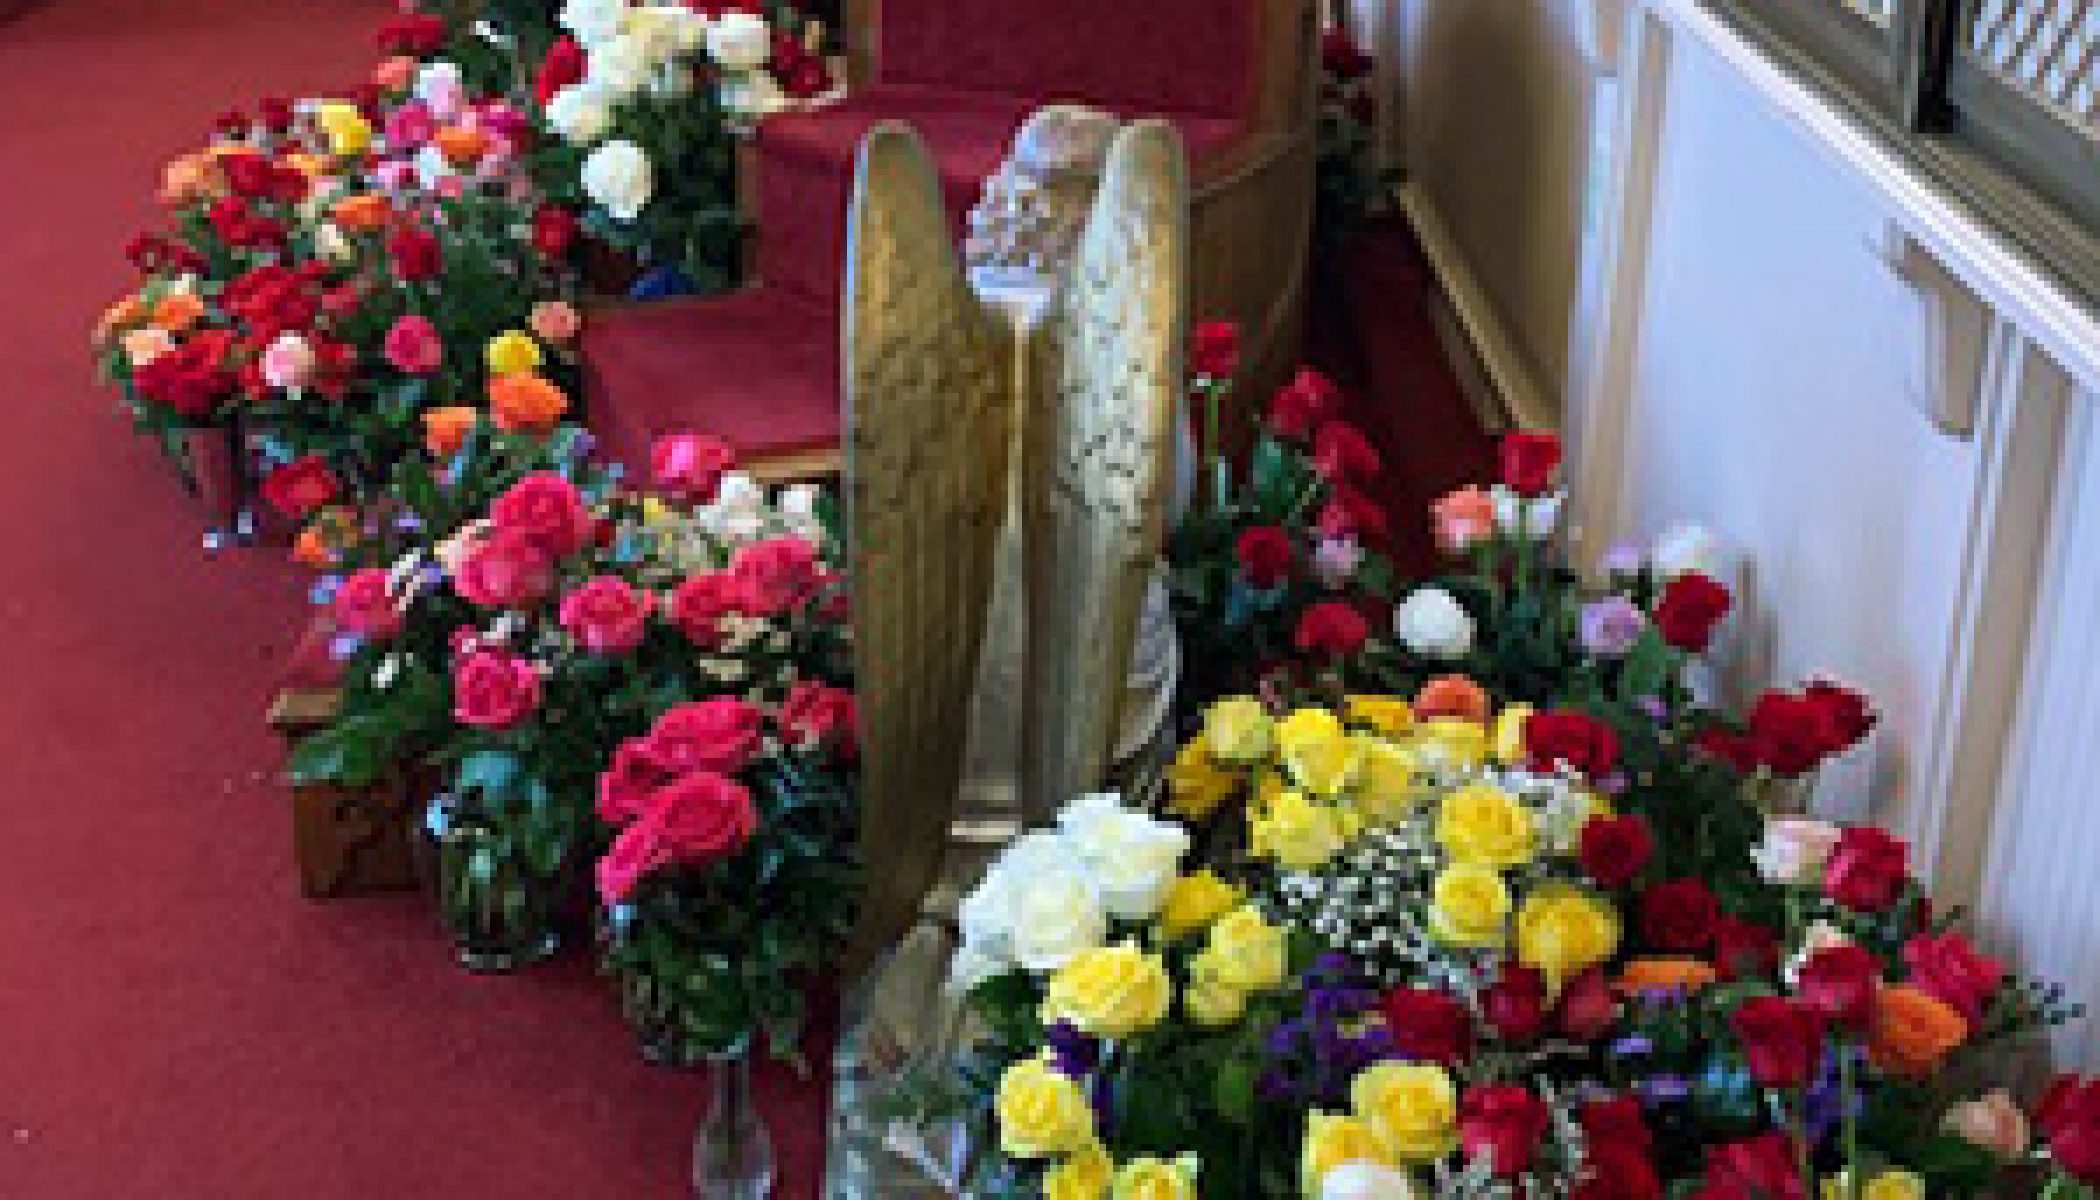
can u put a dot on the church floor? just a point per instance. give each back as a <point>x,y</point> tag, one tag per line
<point>174,1021</point>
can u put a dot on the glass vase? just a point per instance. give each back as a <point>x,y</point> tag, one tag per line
<point>732,1152</point>
<point>500,912</point>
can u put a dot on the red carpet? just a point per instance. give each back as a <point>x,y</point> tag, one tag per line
<point>174,1020</point>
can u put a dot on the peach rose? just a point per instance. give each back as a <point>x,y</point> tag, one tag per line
<point>143,345</point>
<point>555,320</point>
<point>178,311</point>
<point>445,430</point>
<point>1912,1030</point>
<point>190,178</point>
<point>1991,1122</point>
<point>1665,975</point>
<point>364,212</point>
<point>462,146</point>
<point>526,402</point>
<point>394,74</point>
<point>1462,518</point>
<point>1452,696</point>
<point>125,313</point>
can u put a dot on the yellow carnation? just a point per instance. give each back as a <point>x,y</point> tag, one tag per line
<point>1238,731</point>
<point>1389,715</point>
<point>1563,930</point>
<point>1193,902</point>
<point>1042,1112</point>
<point>348,131</point>
<point>1196,784</point>
<point>513,352</point>
<point>1332,1140</point>
<point>1509,733</point>
<point>1486,825</point>
<point>1300,834</point>
<point>1411,1107</point>
<point>1156,1179</point>
<point>1321,755</point>
<point>1469,905</point>
<point>1110,991</point>
<point>1084,1176</point>
<point>1245,952</point>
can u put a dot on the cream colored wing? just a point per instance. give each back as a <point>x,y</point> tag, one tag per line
<point>927,420</point>
<point>1098,451</point>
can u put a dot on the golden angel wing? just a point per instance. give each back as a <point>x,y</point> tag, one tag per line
<point>927,420</point>
<point>1098,451</point>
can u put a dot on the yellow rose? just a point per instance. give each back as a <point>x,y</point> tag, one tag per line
<point>1563,930</point>
<point>1211,1003</point>
<point>1321,755</point>
<point>1110,991</point>
<point>1084,1176</point>
<point>1156,1179</point>
<point>348,131</point>
<point>1239,732</point>
<point>1193,902</point>
<point>1412,1107</point>
<point>1469,906</point>
<point>1299,833</point>
<point>1509,733</point>
<point>1389,715</point>
<point>1391,787</point>
<point>1268,786</point>
<point>1245,952</point>
<point>1042,1112</point>
<point>1451,743</point>
<point>1488,826</point>
<point>1332,1140</point>
<point>1892,1184</point>
<point>1196,784</point>
<point>513,352</point>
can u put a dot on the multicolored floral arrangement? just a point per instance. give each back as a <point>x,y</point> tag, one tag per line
<point>1549,928</point>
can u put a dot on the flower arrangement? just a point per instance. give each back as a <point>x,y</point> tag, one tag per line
<point>1348,184</point>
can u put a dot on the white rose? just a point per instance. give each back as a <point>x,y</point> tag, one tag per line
<point>1432,623</point>
<point>1531,518</point>
<point>1686,547</point>
<point>1133,858</point>
<point>1794,850</point>
<point>1367,1181</point>
<point>739,41</point>
<point>593,21</point>
<point>621,66</point>
<point>1057,913</point>
<point>580,113</point>
<point>617,177</point>
<point>971,966</point>
<point>986,914</point>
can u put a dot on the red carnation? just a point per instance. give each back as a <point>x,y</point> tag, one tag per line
<point>1428,1025</point>
<point>1679,915</point>
<point>1342,453</point>
<point>1690,607</point>
<point>1614,849</point>
<point>563,66</point>
<point>1502,1122</point>
<point>1867,869</point>
<point>554,231</point>
<point>301,486</point>
<point>1214,350</point>
<point>1331,629</point>
<point>1577,740</point>
<point>415,253</point>
<point>1529,461</point>
<point>1304,404</point>
<point>1782,1042</point>
<point>1265,555</point>
<point>1837,983</point>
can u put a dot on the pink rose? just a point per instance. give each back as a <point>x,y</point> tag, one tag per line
<point>624,787</point>
<point>555,320</point>
<point>1947,966</point>
<point>492,689</point>
<point>721,734</point>
<point>690,466</point>
<point>1462,518</point>
<point>287,362</point>
<point>1991,1122</point>
<point>702,818</point>
<point>776,576</point>
<point>394,74</point>
<point>409,126</point>
<point>504,570</point>
<point>701,602</point>
<point>413,346</point>
<point>606,615</point>
<point>634,853</point>
<point>549,511</point>
<point>364,605</point>
<point>816,714</point>
<point>394,175</point>
<point>1795,849</point>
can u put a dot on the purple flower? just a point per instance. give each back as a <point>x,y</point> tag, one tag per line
<point>1661,1089</point>
<point>1624,558</point>
<point>1610,626</point>
<point>1072,1051</point>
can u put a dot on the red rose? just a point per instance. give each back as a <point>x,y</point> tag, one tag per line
<point>1789,733</point>
<point>2069,1118</point>
<point>564,65</point>
<point>275,112</point>
<point>624,788</point>
<point>807,77</point>
<point>1782,1042</point>
<point>1304,404</point>
<point>607,615</point>
<point>1350,515</point>
<point>494,689</point>
<point>415,253</point>
<point>1331,629</point>
<point>816,714</point>
<point>1265,555</point>
<point>1342,453</point>
<point>1678,915</point>
<point>1744,949</point>
<point>506,569</point>
<point>1577,740</point>
<point>1617,1171</point>
<point>1738,750</point>
<point>190,380</point>
<point>1514,1006</point>
<point>1847,715</point>
<point>364,605</point>
<point>301,486</point>
<point>548,511</point>
<point>1614,849</point>
<point>1867,869</point>
<point>690,466</point>
<point>1340,56</point>
<point>1690,607</point>
<point>554,231</point>
<point>1948,967</point>
<point>1214,350</point>
<point>1837,983</point>
<point>419,35</point>
<point>719,734</point>
<point>1760,1168</point>
<point>1428,1025</point>
<point>1587,1008</point>
<point>634,854</point>
<point>702,818</point>
<point>1529,461</point>
<point>700,603</point>
<point>1503,1122</point>
<point>776,576</point>
<point>1615,1121</point>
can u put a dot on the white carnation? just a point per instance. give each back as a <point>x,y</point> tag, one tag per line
<point>1432,623</point>
<point>739,42</point>
<point>621,66</point>
<point>580,113</point>
<point>618,178</point>
<point>593,21</point>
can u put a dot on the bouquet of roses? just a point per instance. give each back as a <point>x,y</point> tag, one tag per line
<point>1273,570</point>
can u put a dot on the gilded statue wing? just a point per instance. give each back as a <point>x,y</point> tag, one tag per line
<point>1098,448</point>
<point>927,419</point>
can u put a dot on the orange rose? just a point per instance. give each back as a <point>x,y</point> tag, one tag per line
<point>461,146</point>
<point>1912,1030</point>
<point>313,166</point>
<point>1665,975</point>
<point>177,311</point>
<point>311,548</point>
<point>1452,696</point>
<point>525,402</point>
<point>446,429</point>
<point>364,212</point>
<point>190,178</point>
<point>119,317</point>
